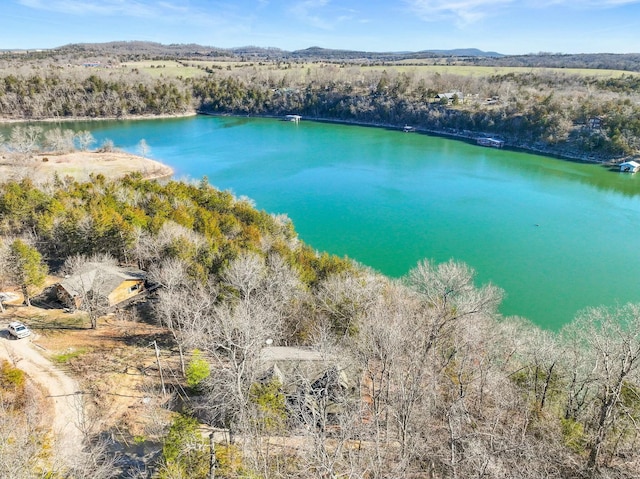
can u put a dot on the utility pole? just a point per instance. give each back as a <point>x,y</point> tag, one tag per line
<point>155,345</point>
<point>212,457</point>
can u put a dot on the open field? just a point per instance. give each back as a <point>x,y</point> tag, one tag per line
<point>165,68</point>
<point>195,68</point>
<point>81,164</point>
<point>484,71</point>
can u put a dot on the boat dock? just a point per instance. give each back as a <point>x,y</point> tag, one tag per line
<point>490,142</point>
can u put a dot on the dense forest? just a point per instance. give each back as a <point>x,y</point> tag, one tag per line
<point>418,377</point>
<point>581,116</point>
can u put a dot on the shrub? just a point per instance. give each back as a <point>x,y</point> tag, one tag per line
<point>11,378</point>
<point>271,405</point>
<point>197,370</point>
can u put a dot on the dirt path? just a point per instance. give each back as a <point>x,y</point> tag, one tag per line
<point>60,388</point>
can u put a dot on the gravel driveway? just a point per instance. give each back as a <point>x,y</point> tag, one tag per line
<point>58,386</point>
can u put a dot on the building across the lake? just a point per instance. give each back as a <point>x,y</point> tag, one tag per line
<point>450,97</point>
<point>294,118</point>
<point>629,166</point>
<point>490,142</point>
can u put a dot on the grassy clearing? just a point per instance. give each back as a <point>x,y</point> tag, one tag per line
<point>194,68</point>
<point>52,321</point>
<point>484,71</point>
<point>164,68</point>
<point>72,353</point>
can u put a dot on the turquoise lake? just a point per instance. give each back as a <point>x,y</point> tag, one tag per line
<point>557,236</point>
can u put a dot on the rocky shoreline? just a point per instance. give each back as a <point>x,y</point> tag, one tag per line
<point>93,118</point>
<point>463,135</point>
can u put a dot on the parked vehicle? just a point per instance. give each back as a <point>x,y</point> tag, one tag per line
<point>18,330</point>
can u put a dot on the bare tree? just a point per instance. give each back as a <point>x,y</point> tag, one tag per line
<point>57,140</point>
<point>612,342</point>
<point>345,299</point>
<point>84,139</point>
<point>182,302</point>
<point>107,146</point>
<point>25,139</point>
<point>143,148</point>
<point>18,451</point>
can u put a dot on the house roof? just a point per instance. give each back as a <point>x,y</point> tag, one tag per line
<point>450,95</point>
<point>295,367</point>
<point>101,277</point>
<point>635,164</point>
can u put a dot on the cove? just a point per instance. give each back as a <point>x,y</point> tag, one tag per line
<point>557,236</point>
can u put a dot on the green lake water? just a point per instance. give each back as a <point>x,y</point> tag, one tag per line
<point>557,236</point>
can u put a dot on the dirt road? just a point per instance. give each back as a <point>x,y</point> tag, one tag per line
<point>63,391</point>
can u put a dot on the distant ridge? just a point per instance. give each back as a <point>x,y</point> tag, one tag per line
<point>133,50</point>
<point>466,52</point>
<point>314,52</point>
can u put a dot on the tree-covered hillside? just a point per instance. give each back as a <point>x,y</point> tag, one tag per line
<point>581,115</point>
<point>316,367</point>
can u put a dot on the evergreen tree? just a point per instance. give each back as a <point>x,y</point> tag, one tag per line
<point>26,268</point>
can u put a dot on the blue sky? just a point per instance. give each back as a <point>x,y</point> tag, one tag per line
<point>506,26</point>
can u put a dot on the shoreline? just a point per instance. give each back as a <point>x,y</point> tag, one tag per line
<point>67,119</point>
<point>82,165</point>
<point>464,135</point>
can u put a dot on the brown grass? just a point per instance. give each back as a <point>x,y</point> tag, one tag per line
<point>81,164</point>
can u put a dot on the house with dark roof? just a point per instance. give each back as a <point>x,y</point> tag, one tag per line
<point>110,285</point>
<point>314,384</point>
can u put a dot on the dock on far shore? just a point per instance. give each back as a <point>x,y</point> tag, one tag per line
<point>490,142</point>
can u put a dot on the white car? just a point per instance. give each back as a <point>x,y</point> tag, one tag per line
<point>18,330</point>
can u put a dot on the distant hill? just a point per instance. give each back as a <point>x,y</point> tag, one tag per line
<point>142,48</point>
<point>466,56</point>
<point>315,52</point>
<point>466,52</point>
<point>334,54</point>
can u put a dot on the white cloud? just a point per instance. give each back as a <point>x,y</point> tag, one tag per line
<point>166,11</point>
<point>465,12</point>
<point>307,12</point>
<point>324,15</point>
<point>92,7</point>
<point>321,14</point>
<point>584,3</point>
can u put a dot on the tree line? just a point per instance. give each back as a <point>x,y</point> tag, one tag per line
<point>52,96</point>
<point>417,377</point>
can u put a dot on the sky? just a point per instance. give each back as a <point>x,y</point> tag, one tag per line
<point>505,26</point>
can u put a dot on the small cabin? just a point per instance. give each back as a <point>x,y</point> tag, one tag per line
<point>294,118</point>
<point>408,129</point>
<point>490,142</point>
<point>450,97</point>
<point>110,284</point>
<point>629,166</point>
